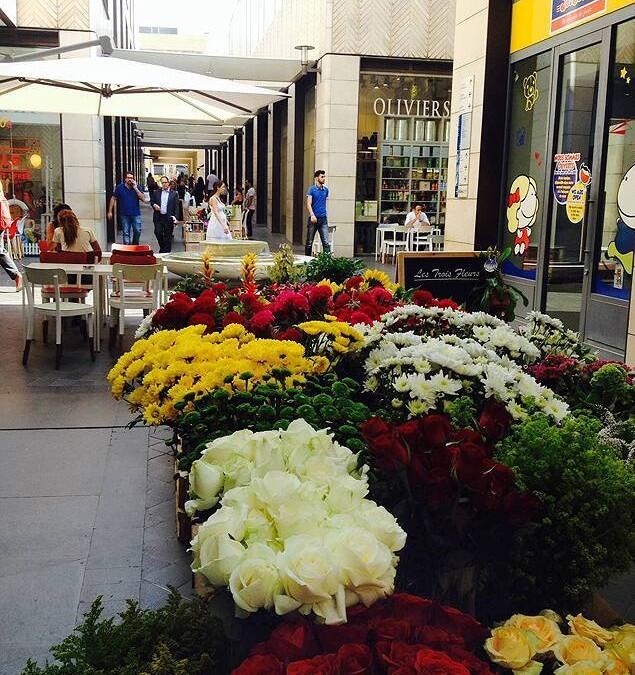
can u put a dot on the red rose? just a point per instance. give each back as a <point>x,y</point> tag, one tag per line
<point>234,317</point>
<point>264,664</point>
<point>422,298</point>
<point>520,508</point>
<point>431,662</point>
<point>496,482</point>
<point>410,432</point>
<point>386,446</point>
<point>292,334</point>
<point>396,654</point>
<point>202,318</point>
<point>456,622</point>
<point>290,641</point>
<point>436,430</point>
<point>331,638</point>
<point>262,320</point>
<point>411,608</point>
<point>438,487</point>
<point>353,659</point>
<point>494,421</point>
<point>434,637</point>
<point>471,436</point>
<point>471,662</point>
<point>318,665</point>
<point>468,464</point>
<point>391,629</point>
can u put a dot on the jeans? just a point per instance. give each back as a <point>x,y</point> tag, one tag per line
<point>163,231</point>
<point>250,215</point>
<point>131,225</point>
<point>322,227</point>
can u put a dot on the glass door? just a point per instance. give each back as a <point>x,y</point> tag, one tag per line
<point>573,162</point>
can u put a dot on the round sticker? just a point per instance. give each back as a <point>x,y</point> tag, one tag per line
<point>576,202</point>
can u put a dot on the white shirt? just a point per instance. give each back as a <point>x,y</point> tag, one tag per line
<point>165,195</point>
<point>211,179</point>
<point>250,199</point>
<point>413,221</point>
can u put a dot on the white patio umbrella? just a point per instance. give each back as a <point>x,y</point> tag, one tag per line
<point>103,85</point>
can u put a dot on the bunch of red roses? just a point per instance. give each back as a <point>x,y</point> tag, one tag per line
<point>401,635</point>
<point>444,466</point>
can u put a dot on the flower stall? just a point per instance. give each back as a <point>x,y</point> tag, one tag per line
<point>383,482</point>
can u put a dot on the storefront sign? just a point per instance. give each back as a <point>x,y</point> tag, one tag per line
<point>447,274</point>
<point>401,107</point>
<point>565,13</point>
<point>576,202</point>
<point>565,175</point>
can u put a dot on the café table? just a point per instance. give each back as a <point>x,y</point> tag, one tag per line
<point>100,272</point>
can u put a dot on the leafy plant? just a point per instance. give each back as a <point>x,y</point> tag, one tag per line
<point>586,533</point>
<point>284,270</point>
<point>326,266</point>
<point>192,285</point>
<point>181,638</point>
<point>322,401</point>
<point>492,294</point>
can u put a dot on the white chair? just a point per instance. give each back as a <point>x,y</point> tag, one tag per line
<point>128,295</point>
<point>420,239</point>
<point>395,239</point>
<point>59,309</point>
<point>379,239</point>
<point>317,242</point>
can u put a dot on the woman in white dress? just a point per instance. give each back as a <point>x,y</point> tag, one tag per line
<point>217,227</point>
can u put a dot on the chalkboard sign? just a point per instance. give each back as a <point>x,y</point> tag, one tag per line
<point>446,274</point>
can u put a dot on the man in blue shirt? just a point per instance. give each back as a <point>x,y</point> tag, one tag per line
<point>316,197</point>
<point>127,195</point>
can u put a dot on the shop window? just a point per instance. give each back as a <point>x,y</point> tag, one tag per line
<point>526,163</point>
<point>616,240</point>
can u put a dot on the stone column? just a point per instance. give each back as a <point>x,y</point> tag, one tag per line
<point>337,94</point>
<point>270,151</point>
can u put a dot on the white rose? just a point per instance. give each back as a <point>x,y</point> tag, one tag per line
<point>226,520</point>
<point>206,482</point>
<point>255,581</point>
<point>222,449</point>
<point>258,527</point>
<point>303,514</point>
<point>346,493</point>
<point>216,556</point>
<point>238,471</point>
<point>275,487</point>
<point>381,523</point>
<point>366,565</point>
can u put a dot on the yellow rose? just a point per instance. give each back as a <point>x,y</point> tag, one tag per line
<point>573,648</point>
<point>614,664</point>
<point>580,668</point>
<point>546,631</point>
<point>509,647</point>
<point>589,629</point>
<point>623,644</point>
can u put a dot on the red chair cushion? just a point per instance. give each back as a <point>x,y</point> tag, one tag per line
<point>132,249</point>
<point>117,257</point>
<point>67,257</point>
<point>77,290</point>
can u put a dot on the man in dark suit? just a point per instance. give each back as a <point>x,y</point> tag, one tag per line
<point>165,204</point>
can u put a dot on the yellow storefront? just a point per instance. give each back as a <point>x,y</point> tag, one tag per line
<point>569,190</point>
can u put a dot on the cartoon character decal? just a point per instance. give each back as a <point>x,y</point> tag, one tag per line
<point>623,248</point>
<point>522,209</point>
<point>530,89</point>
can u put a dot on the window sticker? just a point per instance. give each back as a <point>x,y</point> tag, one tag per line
<point>522,209</point>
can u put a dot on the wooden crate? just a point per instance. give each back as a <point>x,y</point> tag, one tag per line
<point>183,521</point>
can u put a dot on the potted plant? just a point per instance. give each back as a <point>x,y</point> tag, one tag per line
<point>492,294</point>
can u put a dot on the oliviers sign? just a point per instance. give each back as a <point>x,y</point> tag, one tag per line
<point>403,107</point>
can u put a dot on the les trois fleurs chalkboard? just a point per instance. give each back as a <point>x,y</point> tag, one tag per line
<point>445,274</point>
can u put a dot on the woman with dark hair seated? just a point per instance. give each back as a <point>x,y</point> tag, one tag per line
<point>71,236</point>
<point>51,227</point>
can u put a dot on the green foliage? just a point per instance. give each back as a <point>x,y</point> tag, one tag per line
<point>586,533</point>
<point>284,270</point>
<point>326,266</point>
<point>611,387</point>
<point>181,638</point>
<point>192,284</point>
<point>462,412</point>
<point>323,401</point>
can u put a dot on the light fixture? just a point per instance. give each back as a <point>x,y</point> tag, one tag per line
<point>304,58</point>
<point>36,160</point>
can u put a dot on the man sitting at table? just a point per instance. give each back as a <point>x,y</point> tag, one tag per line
<point>71,236</point>
<point>417,218</point>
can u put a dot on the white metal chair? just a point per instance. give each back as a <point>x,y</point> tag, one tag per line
<point>128,295</point>
<point>59,309</point>
<point>420,239</point>
<point>317,242</point>
<point>395,239</point>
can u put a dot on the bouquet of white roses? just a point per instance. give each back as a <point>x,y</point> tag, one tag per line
<point>294,530</point>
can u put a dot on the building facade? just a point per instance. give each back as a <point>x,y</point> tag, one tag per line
<point>48,158</point>
<point>372,109</point>
<point>562,191</point>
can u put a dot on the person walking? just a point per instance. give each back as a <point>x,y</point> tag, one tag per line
<point>217,227</point>
<point>127,196</point>
<point>249,207</point>
<point>211,179</point>
<point>165,204</point>
<point>316,197</point>
<point>6,261</point>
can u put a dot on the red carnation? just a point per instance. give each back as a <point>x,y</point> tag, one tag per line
<point>422,298</point>
<point>445,304</point>
<point>353,659</point>
<point>319,665</point>
<point>206,302</point>
<point>262,320</point>
<point>203,319</point>
<point>219,288</point>
<point>380,295</point>
<point>292,334</point>
<point>353,282</point>
<point>158,318</point>
<point>261,664</point>
<point>179,296</point>
<point>234,317</point>
<point>358,316</point>
<point>342,300</point>
<point>494,421</point>
<point>319,295</point>
<point>431,662</point>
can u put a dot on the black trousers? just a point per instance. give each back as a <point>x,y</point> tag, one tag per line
<point>163,231</point>
<point>6,262</point>
<point>250,215</point>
